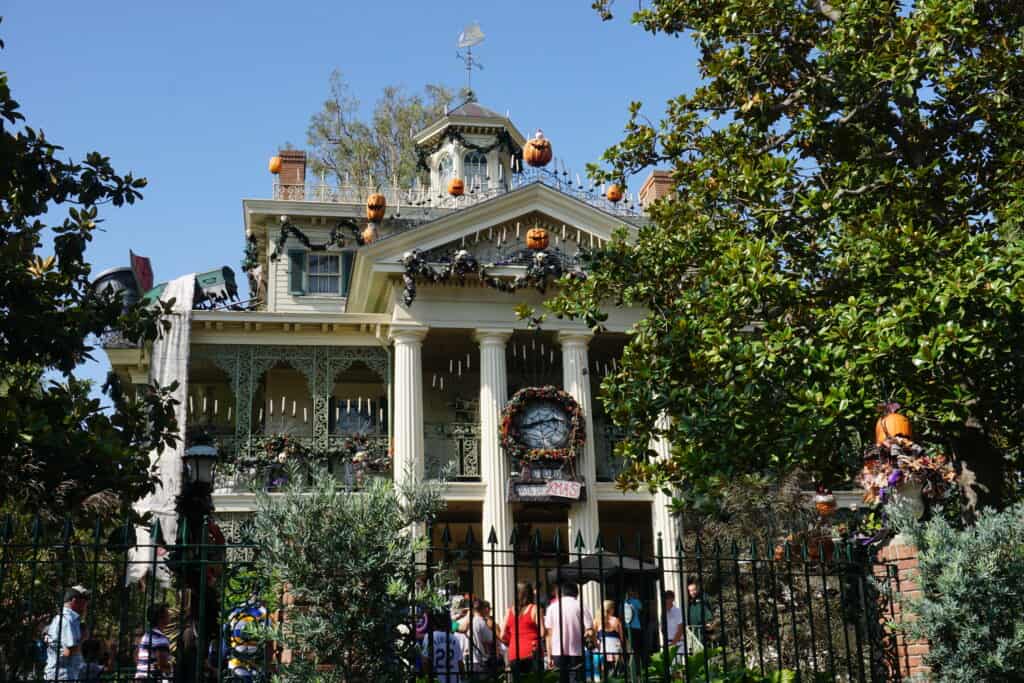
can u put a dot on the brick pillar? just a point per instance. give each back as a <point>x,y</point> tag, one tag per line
<point>292,179</point>
<point>898,562</point>
<point>657,185</point>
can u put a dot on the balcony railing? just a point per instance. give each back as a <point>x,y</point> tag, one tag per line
<point>607,465</point>
<point>454,446</point>
<point>435,198</point>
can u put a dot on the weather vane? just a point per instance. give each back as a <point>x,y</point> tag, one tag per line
<point>470,36</point>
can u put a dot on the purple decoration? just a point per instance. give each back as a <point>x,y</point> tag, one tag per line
<point>895,477</point>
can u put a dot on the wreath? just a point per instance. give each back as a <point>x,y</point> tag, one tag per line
<point>510,436</point>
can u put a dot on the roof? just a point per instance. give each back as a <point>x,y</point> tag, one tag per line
<point>473,109</point>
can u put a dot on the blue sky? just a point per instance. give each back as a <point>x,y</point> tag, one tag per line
<point>196,96</point>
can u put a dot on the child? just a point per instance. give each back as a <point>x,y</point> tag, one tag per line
<point>442,650</point>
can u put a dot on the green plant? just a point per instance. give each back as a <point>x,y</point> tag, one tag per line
<point>347,562</point>
<point>969,608</point>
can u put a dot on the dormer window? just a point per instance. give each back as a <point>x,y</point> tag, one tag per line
<point>319,273</point>
<point>474,165</point>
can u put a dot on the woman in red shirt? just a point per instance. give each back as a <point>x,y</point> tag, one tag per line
<point>523,633</point>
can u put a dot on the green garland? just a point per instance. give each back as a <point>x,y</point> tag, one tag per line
<point>504,140</point>
<point>281,449</point>
<point>289,229</point>
<point>510,439</point>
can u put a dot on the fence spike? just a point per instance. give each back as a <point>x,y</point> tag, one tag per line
<point>579,544</point>
<point>446,535</point>
<point>598,543</point>
<point>621,545</point>
<point>470,537</point>
<point>538,540</point>
<point>513,538</point>
<point>492,538</point>
<point>697,547</point>
<point>558,541</point>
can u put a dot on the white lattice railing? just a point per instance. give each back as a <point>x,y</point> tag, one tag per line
<point>425,197</point>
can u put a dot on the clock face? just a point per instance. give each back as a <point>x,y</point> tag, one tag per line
<point>544,424</point>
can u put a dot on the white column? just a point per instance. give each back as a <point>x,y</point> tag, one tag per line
<point>495,471</point>
<point>408,402</point>
<point>666,524</point>
<point>583,516</point>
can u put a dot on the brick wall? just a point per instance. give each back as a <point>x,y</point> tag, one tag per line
<point>293,167</point>
<point>899,562</point>
<point>657,185</point>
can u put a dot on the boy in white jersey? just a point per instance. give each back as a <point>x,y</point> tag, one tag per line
<point>443,650</point>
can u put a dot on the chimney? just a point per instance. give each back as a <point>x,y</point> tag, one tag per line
<point>657,185</point>
<point>293,171</point>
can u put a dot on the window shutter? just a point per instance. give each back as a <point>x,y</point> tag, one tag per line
<point>297,272</point>
<point>347,258</point>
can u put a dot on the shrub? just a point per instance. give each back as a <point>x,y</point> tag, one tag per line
<point>972,604</point>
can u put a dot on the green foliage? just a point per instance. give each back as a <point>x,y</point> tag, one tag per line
<point>845,230</point>
<point>61,451</point>
<point>347,559</point>
<point>971,582</point>
<point>379,148</point>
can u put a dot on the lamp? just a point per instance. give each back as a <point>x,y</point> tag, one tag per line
<point>199,461</point>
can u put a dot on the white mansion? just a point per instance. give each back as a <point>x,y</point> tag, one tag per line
<point>393,343</point>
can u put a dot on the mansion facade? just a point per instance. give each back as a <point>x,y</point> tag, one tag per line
<point>386,342</point>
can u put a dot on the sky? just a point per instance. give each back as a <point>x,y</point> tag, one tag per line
<point>196,97</point>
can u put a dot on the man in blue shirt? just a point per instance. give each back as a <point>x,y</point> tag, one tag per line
<point>64,637</point>
<point>636,638</point>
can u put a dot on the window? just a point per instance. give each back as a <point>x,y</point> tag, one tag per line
<point>446,168</point>
<point>474,164</point>
<point>319,274</point>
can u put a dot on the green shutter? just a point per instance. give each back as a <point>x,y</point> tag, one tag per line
<point>297,272</point>
<point>347,258</point>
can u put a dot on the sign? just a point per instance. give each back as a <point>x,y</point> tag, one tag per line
<point>564,489</point>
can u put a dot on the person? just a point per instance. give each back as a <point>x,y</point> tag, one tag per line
<point>92,666</point>
<point>153,652</point>
<point>443,650</point>
<point>483,648</point>
<point>698,614</point>
<point>63,637</point>
<point>564,626</point>
<point>673,620</point>
<point>609,638</point>
<point>635,624</point>
<point>522,633</point>
<point>245,656</point>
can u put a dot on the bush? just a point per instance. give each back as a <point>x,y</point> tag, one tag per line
<point>972,602</point>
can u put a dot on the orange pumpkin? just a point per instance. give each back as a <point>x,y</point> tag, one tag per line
<point>825,504</point>
<point>614,193</point>
<point>375,205</point>
<point>890,425</point>
<point>275,165</point>
<point>537,238</point>
<point>369,234</point>
<point>456,187</point>
<point>537,152</point>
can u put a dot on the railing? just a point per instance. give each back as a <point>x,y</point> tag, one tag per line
<point>608,465</point>
<point>452,447</point>
<point>818,611</point>
<point>428,197</point>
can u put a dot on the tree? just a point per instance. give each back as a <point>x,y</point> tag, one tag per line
<point>347,560</point>
<point>845,230</point>
<point>380,148</point>
<point>62,452</point>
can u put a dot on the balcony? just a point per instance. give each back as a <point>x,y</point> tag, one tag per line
<point>431,198</point>
<point>452,447</point>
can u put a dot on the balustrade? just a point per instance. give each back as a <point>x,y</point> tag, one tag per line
<point>454,446</point>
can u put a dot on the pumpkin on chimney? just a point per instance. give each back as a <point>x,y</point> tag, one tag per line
<point>537,238</point>
<point>891,424</point>
<point>614,193</point>
<point>375,205</point>
<point>456,187</point>
<point>537,152</point>
<point>275,164</point>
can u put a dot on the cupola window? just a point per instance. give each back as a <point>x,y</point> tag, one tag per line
<point>474,165</point>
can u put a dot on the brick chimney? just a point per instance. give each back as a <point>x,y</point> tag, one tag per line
<point>657,185</point>
<point>293,169</point>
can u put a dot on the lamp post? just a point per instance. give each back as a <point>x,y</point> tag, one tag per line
<point>202,564</point>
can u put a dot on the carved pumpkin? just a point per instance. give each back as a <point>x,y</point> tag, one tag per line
<point>614,193</point>
<point>892,424</point>
<point>537,152</point>
<point>537,238</point>
<point>375,205</point>
<point>456,187</point>
<point>275,165</point>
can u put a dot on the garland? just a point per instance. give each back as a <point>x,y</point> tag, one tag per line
<point>280,449</point>
<point>510,438</point>
<point>289,229</point>
<point>504,140</point>
<point>544,268</point>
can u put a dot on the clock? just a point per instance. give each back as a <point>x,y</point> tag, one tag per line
<point>544,424</point>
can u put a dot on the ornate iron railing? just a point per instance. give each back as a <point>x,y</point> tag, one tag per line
<point>454,446</point>
<point>607,464</point>
<point>432,197</point>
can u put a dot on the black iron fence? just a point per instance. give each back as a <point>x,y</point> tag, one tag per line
<point>813,611</point>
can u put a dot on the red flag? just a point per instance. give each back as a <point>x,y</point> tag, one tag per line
<point>143,271</point>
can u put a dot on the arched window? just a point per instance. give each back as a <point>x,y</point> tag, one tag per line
<point>445,169</point>
<point>474,165</point>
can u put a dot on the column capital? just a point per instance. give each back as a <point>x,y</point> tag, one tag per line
<point>408,335</point>
<point>491,335</point>
<point>575,337</point>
